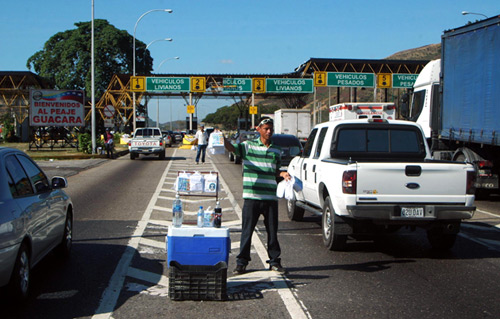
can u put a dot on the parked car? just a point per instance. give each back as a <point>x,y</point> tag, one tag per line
<point>36,217</point>
<point>168,138</point>
<point>290,147</point>
<point>178,136</point>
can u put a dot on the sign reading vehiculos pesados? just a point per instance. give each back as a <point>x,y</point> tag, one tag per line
<point>57,108</point>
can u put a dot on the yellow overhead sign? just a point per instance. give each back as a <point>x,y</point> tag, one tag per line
<point>138,83</point>
<point>384,80</point>
<point>259,85</point>
<point>319,78</point>
<point>252,110</point>
<point>198,84</point>
<point>190,109</point>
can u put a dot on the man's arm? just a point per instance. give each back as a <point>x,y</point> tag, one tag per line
<point>228,145</point>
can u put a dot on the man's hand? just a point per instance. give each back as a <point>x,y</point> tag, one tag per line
<point>285,175</point>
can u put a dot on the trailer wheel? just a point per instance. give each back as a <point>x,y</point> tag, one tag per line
<point>294,212</point>
<point>331,240</point>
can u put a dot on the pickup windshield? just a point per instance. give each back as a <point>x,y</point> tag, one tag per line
<point>147,132</point>
<point>378,142</point>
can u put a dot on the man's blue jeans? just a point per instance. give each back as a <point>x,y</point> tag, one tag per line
<point>201,149</point>
<point>252,209</point>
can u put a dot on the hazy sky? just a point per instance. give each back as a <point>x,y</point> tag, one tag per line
<point>240,37</point>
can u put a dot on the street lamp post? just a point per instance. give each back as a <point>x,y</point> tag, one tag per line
<point>166,39</point>
<point>174,58</point>
<point>133,57</point>
<point>479,14</point>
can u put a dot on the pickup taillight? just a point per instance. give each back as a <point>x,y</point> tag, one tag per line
<point>471,180</point>
<point>129,143</point>
<point>349,182</point>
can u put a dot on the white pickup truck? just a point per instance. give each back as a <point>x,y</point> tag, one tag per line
<point>374,175</point>
<point>147,141</point>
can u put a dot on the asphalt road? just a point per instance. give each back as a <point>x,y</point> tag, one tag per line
<point>118,265</point>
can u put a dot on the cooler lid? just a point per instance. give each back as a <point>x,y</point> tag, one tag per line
<point>193,231</point>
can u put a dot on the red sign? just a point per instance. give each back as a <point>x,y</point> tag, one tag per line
<point>57,108</point>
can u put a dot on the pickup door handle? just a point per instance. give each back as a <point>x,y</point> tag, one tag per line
<point>413,170</point>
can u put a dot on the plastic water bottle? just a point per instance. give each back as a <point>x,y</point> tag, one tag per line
<point>177,213</point>
<point>218,215</point>
<point>200,217</point>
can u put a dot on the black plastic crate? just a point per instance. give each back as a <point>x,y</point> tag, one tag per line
<point>194,282</point>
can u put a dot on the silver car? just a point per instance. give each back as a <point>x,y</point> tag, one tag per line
<point>36,216</point>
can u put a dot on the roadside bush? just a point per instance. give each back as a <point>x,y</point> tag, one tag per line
<point>85,143</point>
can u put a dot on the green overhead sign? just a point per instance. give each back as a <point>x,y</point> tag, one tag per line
<point>350,79</point>
<point>238,85</point>
<point>403,81</point>
<point>289,85</point>
<point>167,84</point>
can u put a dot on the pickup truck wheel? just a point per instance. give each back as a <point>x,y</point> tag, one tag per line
<point>439,240</point>
<point>331,240</point>
<point>294,212</point>
<point>132,156</point>
<point>161,155</point>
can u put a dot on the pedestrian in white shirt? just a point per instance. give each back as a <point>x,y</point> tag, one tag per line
<point>201,138</point>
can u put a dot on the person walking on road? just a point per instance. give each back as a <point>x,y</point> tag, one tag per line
<point>201,138</point>
<point>261,161</point>
<point>109,143</point>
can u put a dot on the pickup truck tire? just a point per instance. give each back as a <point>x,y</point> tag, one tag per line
<point>439,240</point>
<point>133,156</point>
<point>161,155</point>
<point>331,240</point>
<point>294,213</point>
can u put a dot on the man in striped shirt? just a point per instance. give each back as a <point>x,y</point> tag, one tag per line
<point>261,161</point>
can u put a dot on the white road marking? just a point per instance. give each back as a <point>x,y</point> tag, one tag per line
<point>111,293</point>
<point>148,276</point>
<point>153,243</point>
<point>296,309</point>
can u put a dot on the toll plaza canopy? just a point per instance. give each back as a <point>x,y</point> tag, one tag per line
<point>14,86</point>
<point>360,66</point>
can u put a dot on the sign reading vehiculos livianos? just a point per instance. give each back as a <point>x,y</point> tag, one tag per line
<point>57,108</point>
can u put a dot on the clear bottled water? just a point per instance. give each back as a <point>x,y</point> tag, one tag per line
<point>200,217</point>
<point>177,212</point>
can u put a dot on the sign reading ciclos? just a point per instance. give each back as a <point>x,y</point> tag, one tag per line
<point>57,108</point>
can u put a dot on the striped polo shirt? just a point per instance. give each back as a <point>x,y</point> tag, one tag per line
<point>260,164</point>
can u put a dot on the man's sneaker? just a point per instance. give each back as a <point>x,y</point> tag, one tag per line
<point>278,268</point>
<point>240,269</point>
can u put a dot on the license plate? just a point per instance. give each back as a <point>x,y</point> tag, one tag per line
<point>412,212</point>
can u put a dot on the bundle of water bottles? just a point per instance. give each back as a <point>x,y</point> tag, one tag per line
<point>208,218</point>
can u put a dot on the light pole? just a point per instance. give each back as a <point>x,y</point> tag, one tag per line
<point>479,14</point>
<point>133,57</point>
<point>92,75</point>
<point>166,39</point>
<point>174,58</point>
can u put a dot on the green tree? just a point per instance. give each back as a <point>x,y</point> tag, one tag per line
<point>66,57</point>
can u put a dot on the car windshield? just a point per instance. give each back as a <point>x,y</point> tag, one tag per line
<point>290,143</point>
